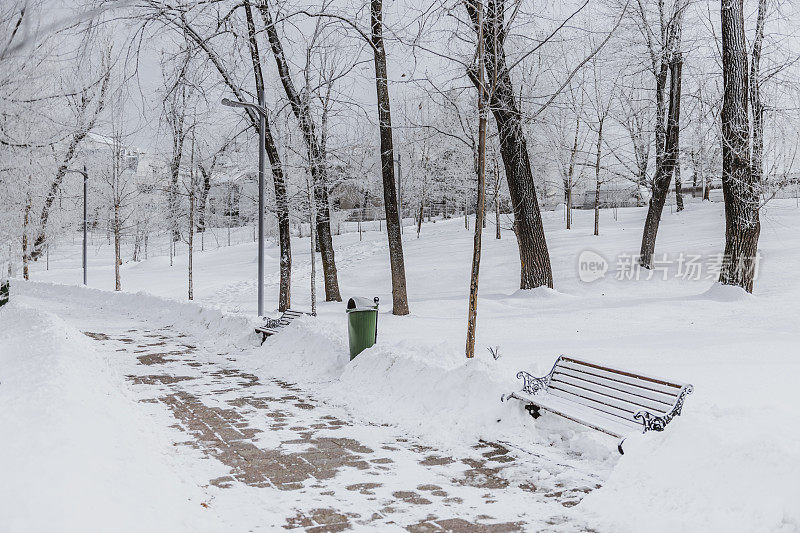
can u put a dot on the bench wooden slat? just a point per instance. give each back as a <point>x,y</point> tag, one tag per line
<point>642,377</point>
<point>672,389</point>
<point>651,395</point>
<point>611,392</point>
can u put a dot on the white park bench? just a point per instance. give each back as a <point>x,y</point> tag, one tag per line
<point>274,325</point>
<point>616,402</point>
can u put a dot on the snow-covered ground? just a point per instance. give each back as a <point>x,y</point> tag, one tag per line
<point>729,463</point>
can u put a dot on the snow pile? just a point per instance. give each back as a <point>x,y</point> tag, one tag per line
<point>735,472</point>
<point>206,323</point>
<point>76,454</point>
<point>307,351</point>
<point>433,392</point>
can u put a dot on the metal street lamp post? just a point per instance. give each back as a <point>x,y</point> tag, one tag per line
<point>85,213</point>
<point>262,114</point>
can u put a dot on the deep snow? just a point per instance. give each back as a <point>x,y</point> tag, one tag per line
<point>727,464</point>
<point>76,454</point>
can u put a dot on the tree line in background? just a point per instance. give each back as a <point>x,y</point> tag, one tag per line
<point>412,109</point>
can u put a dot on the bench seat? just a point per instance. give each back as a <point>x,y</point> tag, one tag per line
<point>613,401</point>
<point>614,426</point>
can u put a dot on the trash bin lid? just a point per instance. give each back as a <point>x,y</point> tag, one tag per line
<point>360,303</point>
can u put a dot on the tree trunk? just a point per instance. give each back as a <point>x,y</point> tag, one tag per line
<point>497,234</point>
<point>191,218</point>
<point>535,269</point>
<point>393,229</point>
<point>678,184</point>
<point>191,236</point>
<point>25,253</point>
<point>472,311</point>
<point>739,185</point>
<point>597,179</point>
<point>669,61</point>
<point>664,169</point>
<point>117,248</point>
<point>571,171</point>
<point>757,106</point>
<point>316,157</point>
<point>311,218</point>
<point>202,202</point>
<point>466,218</point>
<point>175,169</point>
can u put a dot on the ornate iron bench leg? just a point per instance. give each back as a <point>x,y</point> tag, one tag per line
<point>533,410</point>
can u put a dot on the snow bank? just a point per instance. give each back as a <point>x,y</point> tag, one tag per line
<point>736,472</point>
<point>210,325</point>
<point>69,460</point>
<point>430,392</point>
<point>726,293</point>
<point>308,351</point>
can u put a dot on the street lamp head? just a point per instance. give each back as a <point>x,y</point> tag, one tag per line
<point>75,171</point>
<point>247,105</point>
<point>235,103</point>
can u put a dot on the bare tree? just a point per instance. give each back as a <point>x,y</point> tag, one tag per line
<point>316,157</point>
<point>175,103</point>
<point>757,107</point>
<point>207,39</point>
<point>89,104</point>
<point>393,225</point>
<point>535,267</point>
<point>207,167</point>
<point>374,38</point>
<point>666,63</point>
<point>480,68</point>
<point>739,184</point>
<point>601,99</point>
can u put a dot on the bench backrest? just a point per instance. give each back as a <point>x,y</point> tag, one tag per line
<point>289,315</point>
<point>619,393</point>
<point>271,325</point>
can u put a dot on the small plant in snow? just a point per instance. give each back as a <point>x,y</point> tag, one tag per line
<point>495,352</point>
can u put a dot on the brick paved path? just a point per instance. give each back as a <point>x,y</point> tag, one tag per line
<point>282,460</point>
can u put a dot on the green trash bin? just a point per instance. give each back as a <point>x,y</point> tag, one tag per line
<point>362,324</point>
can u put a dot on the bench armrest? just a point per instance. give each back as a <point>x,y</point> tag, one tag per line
<point>651,422</point>
<point>532,384</point>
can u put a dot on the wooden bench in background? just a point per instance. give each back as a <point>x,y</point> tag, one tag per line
<point>616,402</point>
<point>274,325</point>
